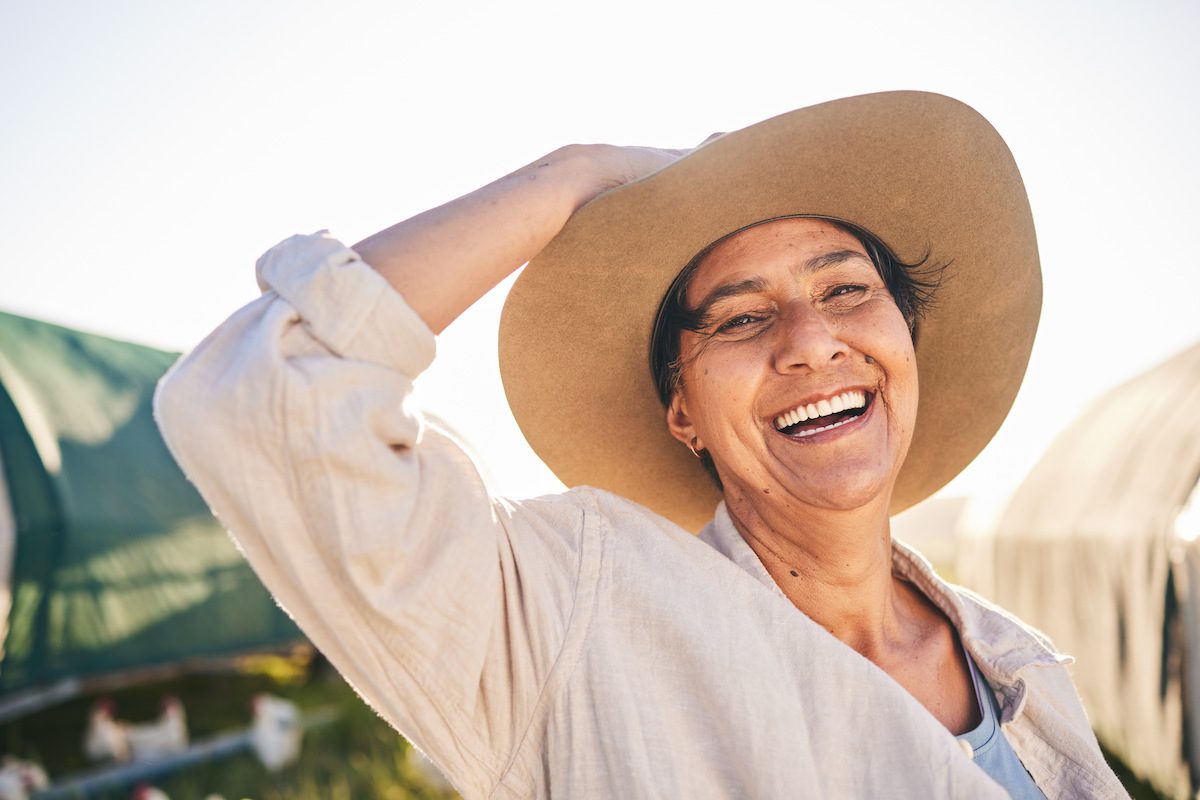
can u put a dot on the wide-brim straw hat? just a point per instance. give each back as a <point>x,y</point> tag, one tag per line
<point>924,173</point>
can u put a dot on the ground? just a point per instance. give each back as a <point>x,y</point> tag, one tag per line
<point>358,757</point>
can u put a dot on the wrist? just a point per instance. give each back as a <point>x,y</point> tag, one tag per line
<point>585,171</point>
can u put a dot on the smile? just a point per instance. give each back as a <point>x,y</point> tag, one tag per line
<point>813,418</point>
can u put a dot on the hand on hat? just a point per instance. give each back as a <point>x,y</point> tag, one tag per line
<point>627,164</point>
<point>621,165</point>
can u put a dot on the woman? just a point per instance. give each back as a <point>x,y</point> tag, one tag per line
<point>587,645</point>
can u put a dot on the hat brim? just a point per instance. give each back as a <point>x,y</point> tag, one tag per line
<point>924,173</point>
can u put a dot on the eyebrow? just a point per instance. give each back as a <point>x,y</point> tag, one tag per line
<point>754,285</point>
<point>826,260</point>
<point>725,291</point>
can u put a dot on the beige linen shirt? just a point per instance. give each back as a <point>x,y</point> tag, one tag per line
<point>574,646</point>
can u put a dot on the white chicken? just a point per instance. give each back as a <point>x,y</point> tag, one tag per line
<point>109,738</point>
<point>276,733</point>
<point>19,779</point>
<point>164,736</point>
<point>12,787</point>
<point>105,737</point>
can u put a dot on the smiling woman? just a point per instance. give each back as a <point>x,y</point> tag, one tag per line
<point>589,644</point>
<point>795,314</point>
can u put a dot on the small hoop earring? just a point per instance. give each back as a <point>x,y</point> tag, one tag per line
<point>692,446</point>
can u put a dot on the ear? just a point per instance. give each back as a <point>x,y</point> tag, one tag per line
<point>680,424</point>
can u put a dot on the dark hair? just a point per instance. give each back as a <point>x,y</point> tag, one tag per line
<point>912,287</point>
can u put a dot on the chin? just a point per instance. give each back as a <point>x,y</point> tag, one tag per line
<point>851,500</point>
<point>847,491</point>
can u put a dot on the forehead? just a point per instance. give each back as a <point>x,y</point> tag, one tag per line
<point>756,251</point>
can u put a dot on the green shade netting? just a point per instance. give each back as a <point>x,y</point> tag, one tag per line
<point>118,563</point>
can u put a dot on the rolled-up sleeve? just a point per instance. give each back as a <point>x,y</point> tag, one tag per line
<point>444,607</point>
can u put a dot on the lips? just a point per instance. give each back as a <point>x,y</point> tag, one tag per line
<point>823,415</point>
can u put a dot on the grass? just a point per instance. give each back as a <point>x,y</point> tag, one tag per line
<point>356,757</point>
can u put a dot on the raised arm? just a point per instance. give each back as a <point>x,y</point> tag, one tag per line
<point>445,607</point>
<point>445,259</point>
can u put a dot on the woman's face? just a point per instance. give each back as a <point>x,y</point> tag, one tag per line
<point>802,384</point>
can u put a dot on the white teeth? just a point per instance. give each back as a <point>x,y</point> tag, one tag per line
<point>822,408</point>
<point>830,426</point>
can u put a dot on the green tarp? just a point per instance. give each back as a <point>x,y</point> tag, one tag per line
<point>118,564</point>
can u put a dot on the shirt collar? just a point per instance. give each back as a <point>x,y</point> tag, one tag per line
<point>1001,645</point>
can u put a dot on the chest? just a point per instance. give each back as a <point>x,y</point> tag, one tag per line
<point>710,685</point>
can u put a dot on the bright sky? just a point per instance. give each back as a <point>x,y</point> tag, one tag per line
<point>150,151</point>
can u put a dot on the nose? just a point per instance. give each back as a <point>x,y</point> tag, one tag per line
<point>807,339</point>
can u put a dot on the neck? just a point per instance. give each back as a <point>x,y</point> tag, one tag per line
<point>836,567</point>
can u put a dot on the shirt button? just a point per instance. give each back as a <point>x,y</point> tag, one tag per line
<point>966,746</point>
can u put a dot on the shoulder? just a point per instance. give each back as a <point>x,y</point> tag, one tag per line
<point>601,526</point>
<point>992,623</point>
<point>587,507</point>
<point>996,637</point>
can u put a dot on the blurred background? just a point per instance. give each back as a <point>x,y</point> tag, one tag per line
<point>150,152</point>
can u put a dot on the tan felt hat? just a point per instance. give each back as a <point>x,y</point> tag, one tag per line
<point>926,174</point>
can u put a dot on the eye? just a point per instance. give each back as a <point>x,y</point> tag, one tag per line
<point>735,323</point>
<point>846,295</point>
<point>846,289</point>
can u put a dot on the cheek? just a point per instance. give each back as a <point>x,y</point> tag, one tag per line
<point>886,341</point>
<point>899,361</point>
<point>719,388</point>
<point>889,341</point>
